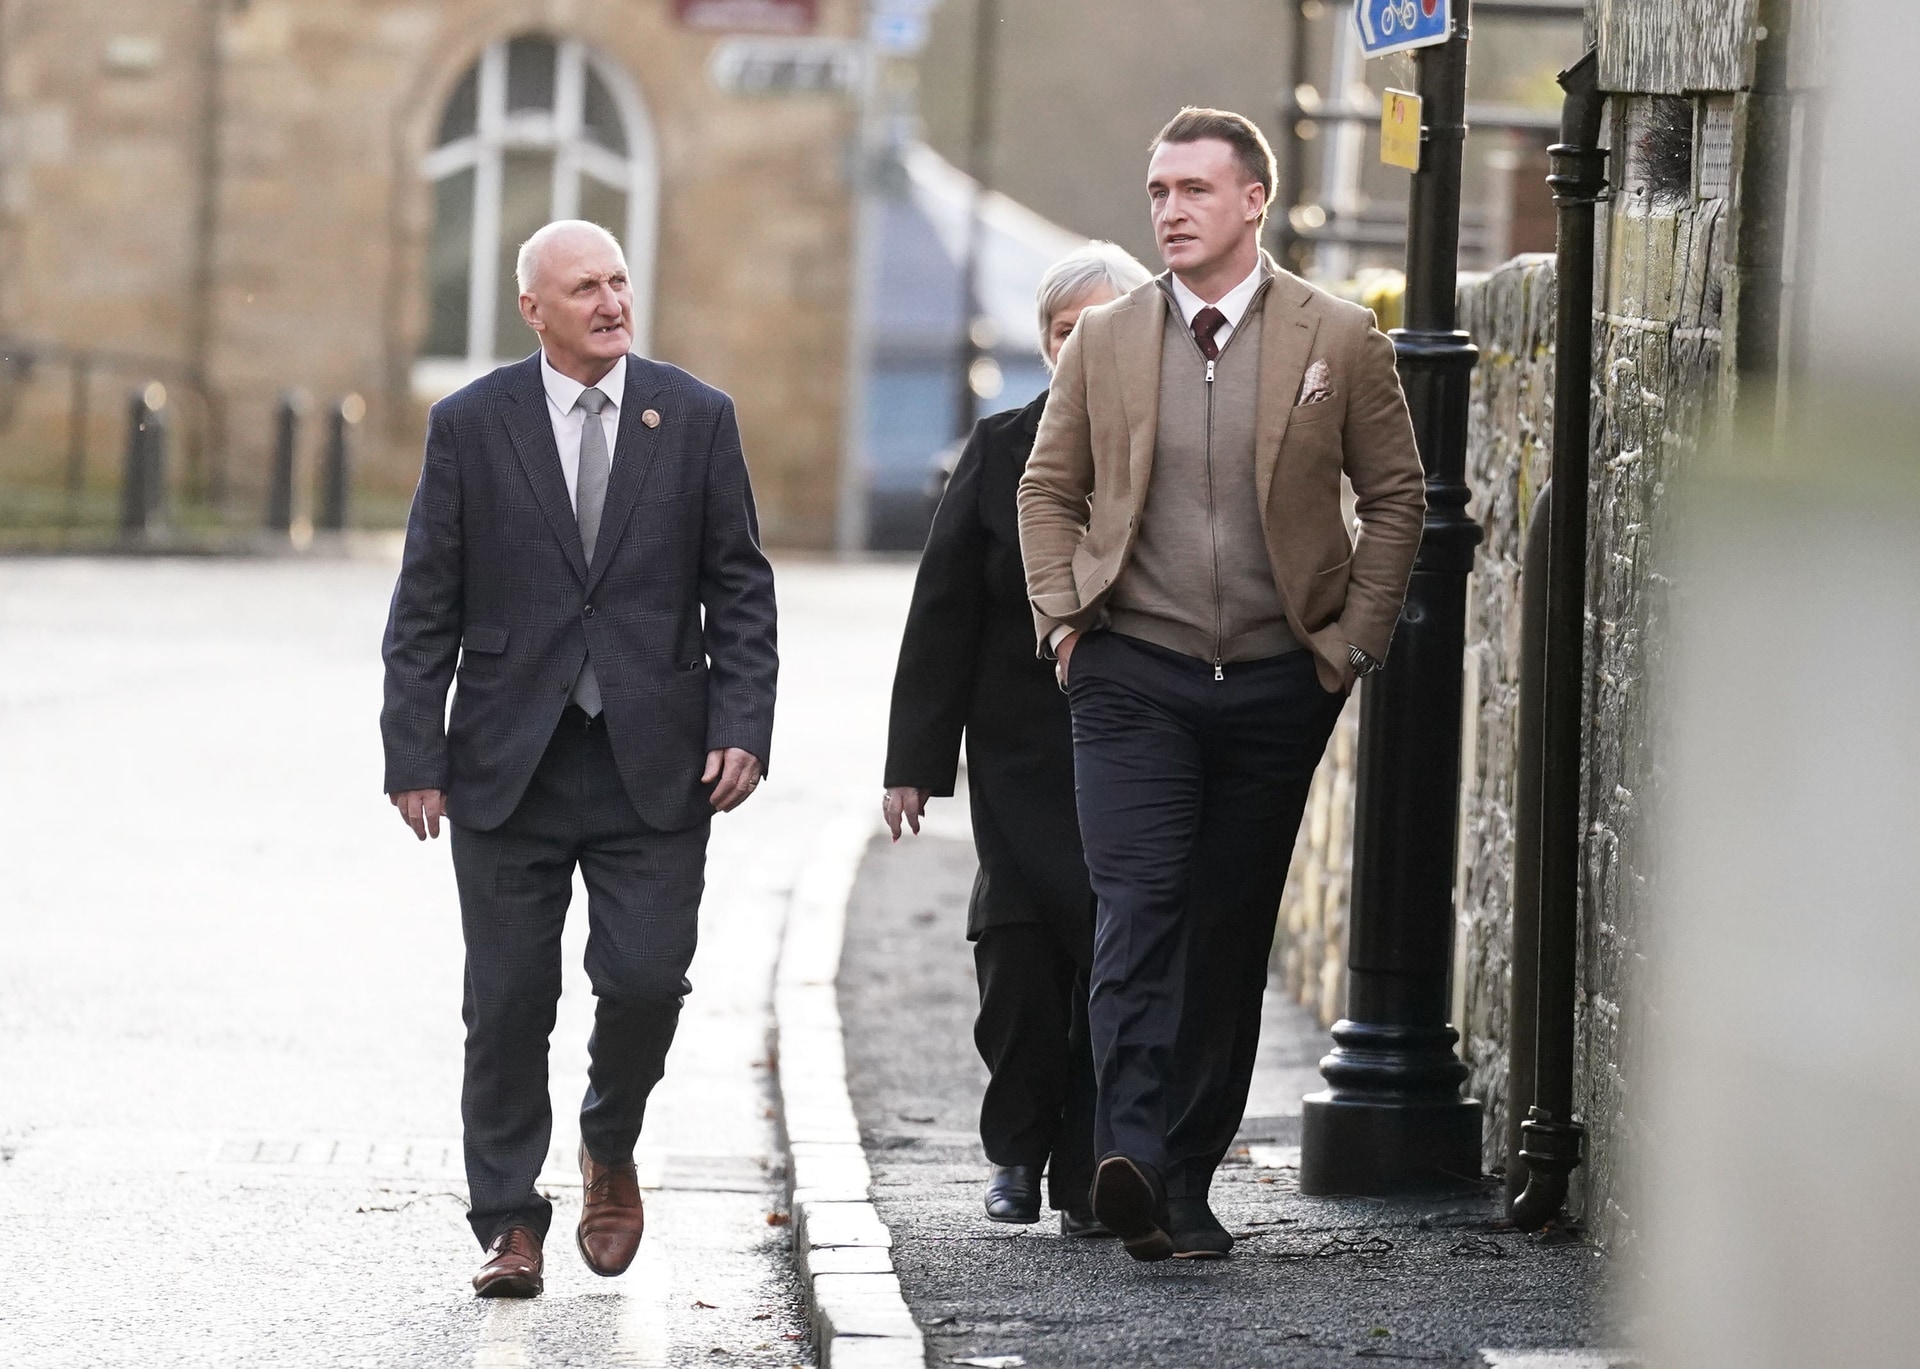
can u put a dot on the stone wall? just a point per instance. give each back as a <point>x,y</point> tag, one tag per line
<point>1310,952</point>
<point>320,212</point>
<point>1510,314</point>
<point>1661,379</point>
<point>1665,273</point>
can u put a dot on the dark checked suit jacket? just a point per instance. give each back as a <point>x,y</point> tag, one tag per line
<point>677,608</point>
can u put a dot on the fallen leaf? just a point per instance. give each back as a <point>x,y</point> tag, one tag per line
<point>778,1219</point>
<point>707,1305</point>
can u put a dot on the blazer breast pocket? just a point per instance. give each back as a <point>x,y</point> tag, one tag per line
<point>1318,412</point>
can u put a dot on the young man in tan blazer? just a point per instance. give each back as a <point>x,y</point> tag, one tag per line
<point>1190,566</point>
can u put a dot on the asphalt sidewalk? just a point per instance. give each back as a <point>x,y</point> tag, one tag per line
<point>1312,1282</point>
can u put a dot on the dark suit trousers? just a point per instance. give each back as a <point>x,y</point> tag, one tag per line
<point>643,907</point>
<point>1190,793</point>
<point>1032,1034</point>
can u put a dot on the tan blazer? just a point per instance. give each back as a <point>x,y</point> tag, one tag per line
<point>1086,482</point>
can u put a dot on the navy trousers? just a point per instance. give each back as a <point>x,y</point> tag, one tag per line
<point>643,910</point>
<point>1190,792</point>
<point>1032,1034</point>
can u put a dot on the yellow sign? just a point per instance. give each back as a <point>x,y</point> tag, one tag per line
<point>1400,129</point>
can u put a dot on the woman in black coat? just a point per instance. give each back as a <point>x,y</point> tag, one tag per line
<point>968,664</point>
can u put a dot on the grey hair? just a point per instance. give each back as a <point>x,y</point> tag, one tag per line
<point>527,264</point>
<point>1082,271</point>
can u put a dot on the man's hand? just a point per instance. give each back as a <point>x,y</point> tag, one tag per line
<point>903,802</point>
<point>421,809</point>
<point>1061,655</point>
<point>738,773</point>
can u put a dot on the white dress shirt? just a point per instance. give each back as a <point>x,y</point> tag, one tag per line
<point>562,394</point>
<point>1233,304</point>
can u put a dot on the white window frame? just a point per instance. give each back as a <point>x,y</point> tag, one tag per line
<point>561,131</point>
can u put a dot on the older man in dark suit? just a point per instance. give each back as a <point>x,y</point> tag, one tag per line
<point>583,544</point>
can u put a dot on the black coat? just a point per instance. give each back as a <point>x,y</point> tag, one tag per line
<point>967,664</point>
<point>677,608</point>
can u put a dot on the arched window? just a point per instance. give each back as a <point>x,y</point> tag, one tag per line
<point>538,129</point>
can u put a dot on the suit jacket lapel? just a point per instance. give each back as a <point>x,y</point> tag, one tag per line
<point>1286,345</point>
<point>531,432</point>
<point>632,448</point>
<point>1137,330</point>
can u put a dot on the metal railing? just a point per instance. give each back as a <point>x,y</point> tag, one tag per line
<point>99,446</point>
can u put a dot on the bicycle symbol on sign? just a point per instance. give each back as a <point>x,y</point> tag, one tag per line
<point>1402,15</point>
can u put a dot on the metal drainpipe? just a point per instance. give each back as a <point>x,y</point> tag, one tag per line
<point>1551,1138</point>
<point>1524,954</point>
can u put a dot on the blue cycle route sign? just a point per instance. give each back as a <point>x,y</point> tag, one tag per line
<point>1395,25</point>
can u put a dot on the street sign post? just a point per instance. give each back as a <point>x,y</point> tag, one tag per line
<point>1392,1116</point>
<point>1396,25</point>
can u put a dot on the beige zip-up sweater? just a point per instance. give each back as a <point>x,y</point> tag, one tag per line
<point>1200,581</point>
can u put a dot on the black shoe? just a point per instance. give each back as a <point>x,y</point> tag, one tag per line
<point>1079,1223</point>
<point>1013,1194</point>
<point>1129,1201</point>
<point>1195,1232</point>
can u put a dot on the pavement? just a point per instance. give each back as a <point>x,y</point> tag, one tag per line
<point>229,995</point>
<point>1313,1282</point>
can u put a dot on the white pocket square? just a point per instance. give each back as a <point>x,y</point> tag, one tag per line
<point>1316,384</point>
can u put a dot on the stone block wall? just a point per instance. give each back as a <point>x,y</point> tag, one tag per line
<point>1662,378</point>
<point>278,236</point>
<point>1510,314</point>
<point>1691,265</point>
<point>1310,951</point>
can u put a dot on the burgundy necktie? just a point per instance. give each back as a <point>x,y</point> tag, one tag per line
<point>1205,324</point>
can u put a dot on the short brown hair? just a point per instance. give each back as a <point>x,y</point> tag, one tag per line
<point>1237,131</point>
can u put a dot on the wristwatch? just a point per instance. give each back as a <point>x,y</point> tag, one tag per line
<point>1362,663</point>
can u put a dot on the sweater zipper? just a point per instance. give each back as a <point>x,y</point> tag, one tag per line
<point>1213,529</point>
<point>1213,536</point>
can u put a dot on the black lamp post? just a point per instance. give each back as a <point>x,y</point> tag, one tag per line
<point>1392,1116</point>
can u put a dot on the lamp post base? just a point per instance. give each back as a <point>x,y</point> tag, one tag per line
<point>1370,1147</point>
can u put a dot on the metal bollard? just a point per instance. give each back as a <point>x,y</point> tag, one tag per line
<point>336,472</point>
<point>286,449</point>
<point>143,491</point>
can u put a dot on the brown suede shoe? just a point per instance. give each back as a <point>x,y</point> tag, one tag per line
<point>611,1216</point>
<point>513,1266</point>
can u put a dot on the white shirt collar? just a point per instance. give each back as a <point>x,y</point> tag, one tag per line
<point>563,392</point>
<point>1233,304</point>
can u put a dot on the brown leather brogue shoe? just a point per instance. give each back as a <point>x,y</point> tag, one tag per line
<point>611,1216</point>
<point>513,1266</point>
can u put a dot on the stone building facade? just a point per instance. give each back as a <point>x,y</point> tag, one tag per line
<point>240,196</point>
<point>1694,306</point>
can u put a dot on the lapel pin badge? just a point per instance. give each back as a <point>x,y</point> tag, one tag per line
<point>651,418</point>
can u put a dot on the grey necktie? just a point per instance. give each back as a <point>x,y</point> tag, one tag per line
<point>589,499</point>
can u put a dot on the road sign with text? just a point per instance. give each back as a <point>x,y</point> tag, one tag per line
<point>1395,25</point>
<point>1400,129</point>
